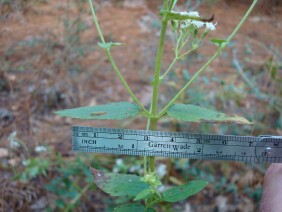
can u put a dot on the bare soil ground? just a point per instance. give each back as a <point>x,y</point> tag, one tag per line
<point>49,60</point>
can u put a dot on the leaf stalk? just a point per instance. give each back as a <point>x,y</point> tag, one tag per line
<point>218,52</point>
<point>108,53</point>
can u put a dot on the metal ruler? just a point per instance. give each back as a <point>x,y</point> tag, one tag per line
<point>262,149</point>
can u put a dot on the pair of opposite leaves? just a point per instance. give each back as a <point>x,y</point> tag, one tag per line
<point>123,110</point>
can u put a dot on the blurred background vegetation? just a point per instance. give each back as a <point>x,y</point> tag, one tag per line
<point>49,60</point>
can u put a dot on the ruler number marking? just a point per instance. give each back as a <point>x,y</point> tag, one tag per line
<point>224,142</point>
<point>203,146</point>
<point>276,144</point>
<point>84,134</point>
<point>264,154</point>
<point>146,138</point>
<point>202,141</point>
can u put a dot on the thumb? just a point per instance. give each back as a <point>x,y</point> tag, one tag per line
<point>272,189</point>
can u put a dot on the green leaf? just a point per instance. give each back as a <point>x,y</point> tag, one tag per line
<point>219,42</point>
<point>133,208</point>
<point>193,113</point>
<point>118,184</point>
<point>130,208</point>
<point>174,25</point>
<point>150,210</point>
<point>109,45</point>
<point>143,194</point>
<point>60,203</point>
<point>182,192</point>
<point>111,111</point>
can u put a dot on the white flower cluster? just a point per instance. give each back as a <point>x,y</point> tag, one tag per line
<point>13,141</point>
<point>40,149</point>
<point>210,26</point>
<point>197,23</point>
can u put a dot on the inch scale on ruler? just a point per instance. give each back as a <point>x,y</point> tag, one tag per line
<point>262,149</point>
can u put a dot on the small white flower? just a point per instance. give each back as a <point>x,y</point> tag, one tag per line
<point>210,26</point>
<point>193,14</point>
<point>13,140</point>
<point>188,23</point>
<point>198,24</point>
<point>14,144</point>
<point>161,188</point>
<point>13,135</point>
<point>161,170</point>
<point>25,162</point>
<point>181,13</point>
<point>115,170</point>
<point>184,24</point>
<point>119,162</point>
<point>40,149</point>
<point>134,168</point>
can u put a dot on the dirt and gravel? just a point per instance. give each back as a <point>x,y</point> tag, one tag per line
<point>49,60</point>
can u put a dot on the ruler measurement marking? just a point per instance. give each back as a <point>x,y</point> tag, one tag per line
<point>183,142</point>
<point>180,145</point>
<point>162,151</point>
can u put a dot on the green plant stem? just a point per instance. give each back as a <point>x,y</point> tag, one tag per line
<point>166,4</point>
<point>172,4</point>
<point>177,56</point>
<point>151,204</point>
<point>152,122</point>
<point>176,52</point>
<point>218,52</point>
<point>188,84</point>
<point>123,81</point>
<point>158,66</point>
<point>241,22</point>
<point>147,128</point>
<point>169,68</point>
<point>145,164</point>
<point>77,197</point>
<point>152,164</point>
<point>174,61</point>
<point>177,49</point>
<point>189,51</point>
<point>152,125</point>
<point>184,43</point>
<point>96,21</point>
